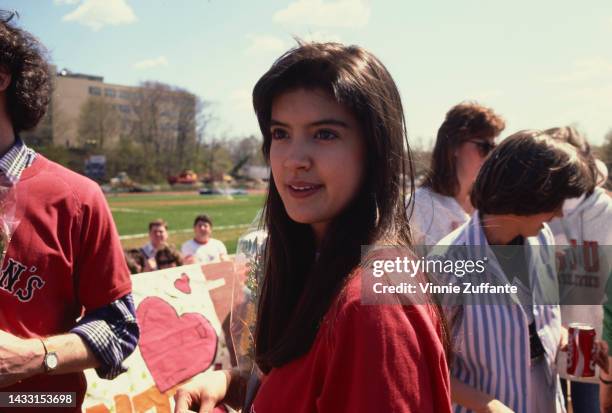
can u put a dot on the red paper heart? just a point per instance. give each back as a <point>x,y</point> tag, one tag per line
<point>182,284</point>
<point>174,348</point>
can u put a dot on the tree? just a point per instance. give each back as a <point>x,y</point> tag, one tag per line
<point>185,131</point>
<point>246,152</point>
<point>165,126</point>
<point>128,157</point>
<point>98,123</point>
<point>421,156</point>
<point>217,159</point>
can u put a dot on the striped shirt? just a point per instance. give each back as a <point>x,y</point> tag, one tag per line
<point>111,331</point>
<point>491,340</point>
<point>16,160</point>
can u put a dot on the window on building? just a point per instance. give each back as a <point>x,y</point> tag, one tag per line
<point>110,93</point>
<point>124,94</point>
<point>124,109</point>
<point>95,91</point>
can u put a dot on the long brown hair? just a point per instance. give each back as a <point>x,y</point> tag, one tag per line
<point>298,288</point>
<point>467,120</point>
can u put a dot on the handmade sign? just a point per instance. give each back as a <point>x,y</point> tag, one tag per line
<point>180,336</point>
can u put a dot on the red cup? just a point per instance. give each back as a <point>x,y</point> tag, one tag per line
<point>581,350</point>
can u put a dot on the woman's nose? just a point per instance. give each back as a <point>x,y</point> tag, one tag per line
<point>298,155</point>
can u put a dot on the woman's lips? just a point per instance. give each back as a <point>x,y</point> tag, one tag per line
<point>303,190</point>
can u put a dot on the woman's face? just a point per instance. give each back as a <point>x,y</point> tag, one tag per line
<point>317,156</point>
<point>470,155</point>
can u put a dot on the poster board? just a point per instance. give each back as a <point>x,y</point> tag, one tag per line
<point>180,336</point>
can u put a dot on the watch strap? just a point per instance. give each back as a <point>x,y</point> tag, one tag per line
<point>45,357</point>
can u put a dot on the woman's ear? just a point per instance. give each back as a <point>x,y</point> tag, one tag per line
<point>5,78</point>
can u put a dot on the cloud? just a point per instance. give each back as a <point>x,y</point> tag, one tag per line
<point>338,13</point>
<point>320,36</point>
<point>585,70</point>
<point>96,14</point>
<point>261,43</point>
<point>151,63</point>
<point>63,2</point>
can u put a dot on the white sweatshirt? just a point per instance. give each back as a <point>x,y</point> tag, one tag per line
<point>586,223</point>
<point>434,216</point>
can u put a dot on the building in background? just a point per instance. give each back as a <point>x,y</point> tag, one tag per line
<point>87,112</point>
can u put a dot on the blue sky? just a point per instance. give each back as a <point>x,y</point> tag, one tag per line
<point>538,63</point>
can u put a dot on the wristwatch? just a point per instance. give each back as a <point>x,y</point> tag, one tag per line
<point>50,361</point>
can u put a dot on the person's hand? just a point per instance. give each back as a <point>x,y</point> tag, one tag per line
<point>605,391</point>
<point>189,259</point>
<point>19,358</point>
<point>563,339</point>
<point>495,406</point>
<point>600,355</point>
<point>150,265</point>
<point>202,393</point>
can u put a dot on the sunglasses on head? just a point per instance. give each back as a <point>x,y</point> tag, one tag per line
<point>484,147</point>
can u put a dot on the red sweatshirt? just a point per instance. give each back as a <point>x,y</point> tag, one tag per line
<point>65,256</point>
<point>378,358</point>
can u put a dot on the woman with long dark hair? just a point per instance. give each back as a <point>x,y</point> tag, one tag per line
<point>335,138</point>
<point>442,202</point>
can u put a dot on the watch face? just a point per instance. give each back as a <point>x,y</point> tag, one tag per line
<point>51,361</point>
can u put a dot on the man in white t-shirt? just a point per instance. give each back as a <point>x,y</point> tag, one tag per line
<point>203,249</point>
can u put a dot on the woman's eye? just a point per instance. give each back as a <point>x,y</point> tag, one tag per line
<point>279,134</point>
<point>326,135</point>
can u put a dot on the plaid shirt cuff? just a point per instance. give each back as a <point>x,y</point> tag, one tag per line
<point>112,334</point>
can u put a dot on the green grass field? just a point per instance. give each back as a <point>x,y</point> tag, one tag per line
<point>133,212</point>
